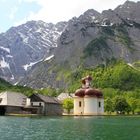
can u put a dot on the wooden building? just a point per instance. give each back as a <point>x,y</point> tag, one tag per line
<point>46,105</point>
<point>13,102</point>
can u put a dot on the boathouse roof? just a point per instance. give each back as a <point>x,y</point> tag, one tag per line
<point>9,98</point>
<point>44,98</point>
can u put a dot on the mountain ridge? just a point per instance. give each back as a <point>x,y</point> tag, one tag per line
<point>25,45</point>
<point>89,40</point>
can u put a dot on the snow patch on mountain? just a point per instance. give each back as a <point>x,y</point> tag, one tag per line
<point>24,38</point>
<point>48,58</point>
<point>5,49</point>
<point>9,56</point>
<point>28,65</point>
<point>12,78</point>
<point>4,64</point>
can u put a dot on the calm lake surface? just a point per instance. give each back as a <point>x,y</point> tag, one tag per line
<point>70,128</point>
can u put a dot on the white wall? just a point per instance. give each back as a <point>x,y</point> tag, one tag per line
<point>101,108</point>
<point>3,98</point>
<point>91,105</point>
<point>77,109</point>
<point>28,102</point>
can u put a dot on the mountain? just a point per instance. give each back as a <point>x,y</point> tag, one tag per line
<point>88,41</point>
<point>23,46</point>
<point>29,55</point>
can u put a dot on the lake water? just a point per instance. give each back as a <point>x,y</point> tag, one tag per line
<point>70,128</point>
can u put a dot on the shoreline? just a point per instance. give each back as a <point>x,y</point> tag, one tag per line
<point>71,115</point>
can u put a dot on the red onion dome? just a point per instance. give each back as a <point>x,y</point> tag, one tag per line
<point>80,92</point>
<point>93,92</point>
<point>89,78</point>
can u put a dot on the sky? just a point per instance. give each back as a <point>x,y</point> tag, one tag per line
<point>17,12</point>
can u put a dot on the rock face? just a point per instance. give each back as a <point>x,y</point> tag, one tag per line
<point>87,41</point>
<point>129,10</point>
<point>23,46</point>
<point>100,37</point>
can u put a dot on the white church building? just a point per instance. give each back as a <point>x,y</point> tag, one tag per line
<point>87,100</point>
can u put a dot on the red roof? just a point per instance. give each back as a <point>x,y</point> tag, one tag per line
<point>80,92</point>
<point>89,92</point>
<point>93,92</point>
<point>86,90</point>
<point>89,78</point>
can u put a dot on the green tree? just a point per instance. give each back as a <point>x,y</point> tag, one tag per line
<point>68,104</point>
<point>138,107</point>
<point>108,105</point>
<point>50,91</point>
<point>120,105</point>
<point>110,92</point>
<point>133,104</point>
<point>128,108</point>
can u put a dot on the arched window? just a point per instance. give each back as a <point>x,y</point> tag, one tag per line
<point>80,103</point>
<point>99,104</point>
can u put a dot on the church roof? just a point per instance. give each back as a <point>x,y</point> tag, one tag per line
<point>86,90</point>
<point>89,92</point>
<point>80,92</point>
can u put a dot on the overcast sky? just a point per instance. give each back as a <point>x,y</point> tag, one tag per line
<point>16,12</point>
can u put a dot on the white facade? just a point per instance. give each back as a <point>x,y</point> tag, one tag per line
<point>3,99</point>
<point>88,105</point>
<point>28,102</point>
<point>78,106</point>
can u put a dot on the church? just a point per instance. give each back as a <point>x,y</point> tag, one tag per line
<point>87,100</point>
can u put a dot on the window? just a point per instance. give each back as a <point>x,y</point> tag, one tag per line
<point>0,100</point>
<point>99,104</point>
<point>39,104</point>
<point>80,104</point>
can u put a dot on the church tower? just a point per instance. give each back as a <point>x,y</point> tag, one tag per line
<point>87,100</point>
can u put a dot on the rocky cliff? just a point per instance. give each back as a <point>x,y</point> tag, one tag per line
<point>23,46</point>
<point>89,40</point>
